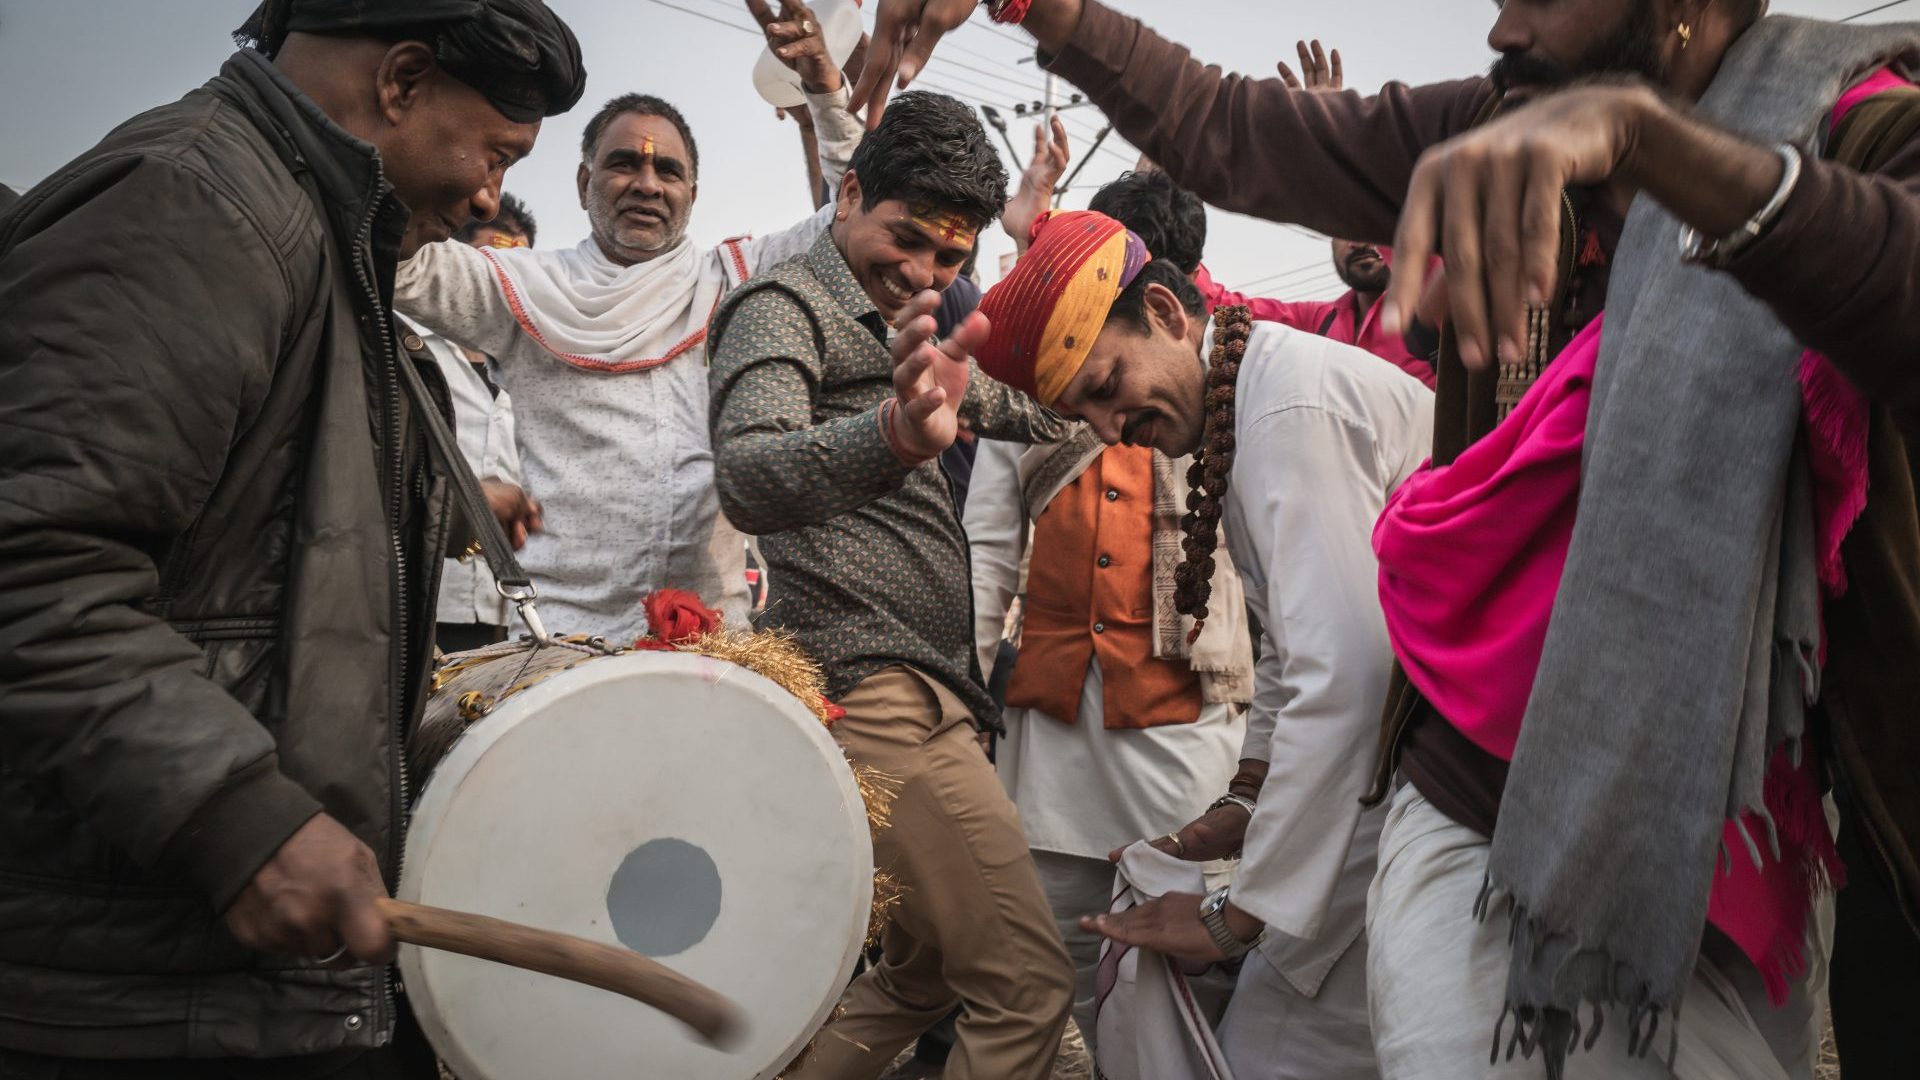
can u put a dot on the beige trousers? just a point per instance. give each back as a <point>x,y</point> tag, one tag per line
<point>972,928</point>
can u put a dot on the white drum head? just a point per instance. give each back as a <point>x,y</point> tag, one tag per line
<point>677,805</point>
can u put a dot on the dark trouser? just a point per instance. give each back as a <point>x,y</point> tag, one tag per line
<point>461,637</point>
<point>1875,986</point>
<point>407,1057</point>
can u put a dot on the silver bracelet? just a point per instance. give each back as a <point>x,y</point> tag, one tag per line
<point>1230,799</point>
<point>1718,252</point>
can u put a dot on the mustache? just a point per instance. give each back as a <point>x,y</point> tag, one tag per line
<point>1133,426</point>
<point>1516,69</point>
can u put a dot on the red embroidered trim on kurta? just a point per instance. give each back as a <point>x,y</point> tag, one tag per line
<point>602,364</point>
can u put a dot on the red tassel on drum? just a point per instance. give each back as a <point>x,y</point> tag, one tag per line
<point>676,616</point>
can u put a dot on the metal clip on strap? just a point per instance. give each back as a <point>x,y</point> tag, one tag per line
<point>508,577</point>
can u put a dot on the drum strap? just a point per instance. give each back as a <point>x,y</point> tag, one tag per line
<point>509,578</point>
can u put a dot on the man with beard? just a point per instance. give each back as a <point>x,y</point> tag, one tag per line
<point>220,536</point>
<point>1631,741</point>
<point>601,346</point>
<point>1312,439</point>
<point>826,447</point>
<point>1352,318</point>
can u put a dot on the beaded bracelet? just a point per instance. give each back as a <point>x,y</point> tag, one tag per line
<point>887,409</point>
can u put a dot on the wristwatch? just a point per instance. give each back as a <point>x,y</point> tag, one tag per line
<point>1213,913</point>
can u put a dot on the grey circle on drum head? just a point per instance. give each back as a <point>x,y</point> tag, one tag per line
<point>664,898</point>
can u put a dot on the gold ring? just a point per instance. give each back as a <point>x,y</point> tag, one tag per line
<point>806,27</point>
<point>1178,847</point>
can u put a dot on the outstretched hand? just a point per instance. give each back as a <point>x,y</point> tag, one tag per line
<point>929,380</point>
<point>1170,925</point>
<point>1322,69</point>
<point>1051,152</point>
<point>1488,202</point>
<point>795,36</point>
<point>904,34</point>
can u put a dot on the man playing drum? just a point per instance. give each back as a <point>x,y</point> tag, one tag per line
<point>216,609</point>
<point>826,449</point>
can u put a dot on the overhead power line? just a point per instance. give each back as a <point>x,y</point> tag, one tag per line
<point>710,18</point>
<point>1872,10</point>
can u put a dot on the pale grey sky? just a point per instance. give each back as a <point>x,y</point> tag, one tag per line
<point>72,69</point>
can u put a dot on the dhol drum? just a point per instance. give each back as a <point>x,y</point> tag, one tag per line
<point>680,806</point>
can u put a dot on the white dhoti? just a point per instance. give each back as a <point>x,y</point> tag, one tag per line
<point>1438,977</point>
<point>1274,1032</point>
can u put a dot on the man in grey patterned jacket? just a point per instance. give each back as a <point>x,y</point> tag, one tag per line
<point>825,443</point>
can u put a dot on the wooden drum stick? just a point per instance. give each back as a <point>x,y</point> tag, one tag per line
<point>565,956</point>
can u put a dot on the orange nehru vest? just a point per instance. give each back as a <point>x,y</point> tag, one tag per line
<point>1090,592</point>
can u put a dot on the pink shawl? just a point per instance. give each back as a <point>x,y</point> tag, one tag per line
<point>1470,561</point>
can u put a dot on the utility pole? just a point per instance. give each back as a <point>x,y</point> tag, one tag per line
<point>1046,122</point>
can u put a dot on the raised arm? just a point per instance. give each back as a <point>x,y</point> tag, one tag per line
<point>1839,269</point>
<point>1308,315</point>
<point>453,289</point>
<point>1837,264</point>
<point>1333,161</point>
<point>797,38</point>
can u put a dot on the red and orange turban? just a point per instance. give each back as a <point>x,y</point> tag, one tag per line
<point>1046,313</point>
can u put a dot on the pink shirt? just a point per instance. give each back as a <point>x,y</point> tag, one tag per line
<point>1340,319</point>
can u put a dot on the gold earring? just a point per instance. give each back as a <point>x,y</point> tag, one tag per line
<point>1686,34</point>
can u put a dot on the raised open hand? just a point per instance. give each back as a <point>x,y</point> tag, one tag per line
<point>929,380</point>
<point>1051,152</point>
<point>1321,67</point>
<point>795,36</point>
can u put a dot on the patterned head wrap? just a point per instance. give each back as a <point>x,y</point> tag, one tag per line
<point>517,53</point>
<point>1046,313</point>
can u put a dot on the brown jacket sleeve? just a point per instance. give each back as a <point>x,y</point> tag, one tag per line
<point>1336,162</point>
<point>1841,268</point>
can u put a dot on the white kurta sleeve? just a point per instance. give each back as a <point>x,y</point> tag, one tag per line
<point>1307,482</point>
<point>449,287</point>
<point>837,132</point>
<point>996,525</point>
<point>502,458</point>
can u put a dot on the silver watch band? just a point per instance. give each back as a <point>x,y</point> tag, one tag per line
<point>1213,915</point>
<point>1232,799</point>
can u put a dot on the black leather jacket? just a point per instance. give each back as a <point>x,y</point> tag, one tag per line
<point>215,602</point>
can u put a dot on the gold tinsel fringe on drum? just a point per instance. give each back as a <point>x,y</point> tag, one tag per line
<point>775,655</point>
<point>772,654</point>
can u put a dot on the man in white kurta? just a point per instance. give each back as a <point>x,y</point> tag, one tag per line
<point>1322,435</point>
<point>604,357</point>
<point>1087,783</point>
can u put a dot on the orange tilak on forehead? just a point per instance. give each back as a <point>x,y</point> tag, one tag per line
<point>947,228</point>
<point>505,240</point>
<point>646,147</point>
